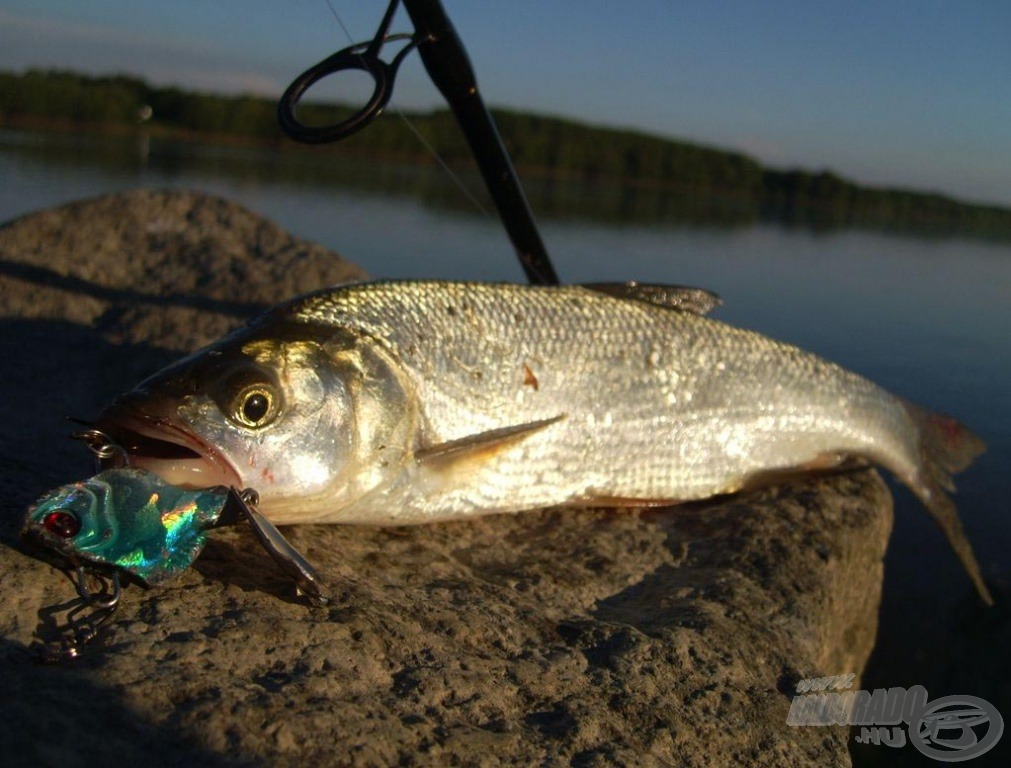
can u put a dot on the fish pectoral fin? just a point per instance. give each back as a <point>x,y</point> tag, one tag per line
<point>698,301</point>
<point>482,444</point>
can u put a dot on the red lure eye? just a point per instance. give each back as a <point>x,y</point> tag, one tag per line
<point>64,524</point>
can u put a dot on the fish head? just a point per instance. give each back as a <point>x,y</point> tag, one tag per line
<point>124,518</point>
<point>297,412</point>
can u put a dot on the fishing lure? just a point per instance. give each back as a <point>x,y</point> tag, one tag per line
<point>129,520</point>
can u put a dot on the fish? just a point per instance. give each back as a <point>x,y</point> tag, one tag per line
<point>403,402</point>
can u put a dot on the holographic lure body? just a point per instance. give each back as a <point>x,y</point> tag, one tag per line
<point>129,519</point>
<point>132,520</point>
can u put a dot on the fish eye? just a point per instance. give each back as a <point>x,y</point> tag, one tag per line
<point>64,524</point>
<point>255,406</point>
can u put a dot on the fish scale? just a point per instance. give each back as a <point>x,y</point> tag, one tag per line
<point>654,372</point>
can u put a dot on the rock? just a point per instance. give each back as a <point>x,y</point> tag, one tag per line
<point>659,637</point>
<point>174,269</point>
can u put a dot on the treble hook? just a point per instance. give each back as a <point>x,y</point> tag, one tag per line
<point>363,57</point>
<point>80,628</point>
<point>101,445</point>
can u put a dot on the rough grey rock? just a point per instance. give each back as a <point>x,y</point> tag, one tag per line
<point>583,638</point>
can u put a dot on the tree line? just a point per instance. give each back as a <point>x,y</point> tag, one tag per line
<point>542,147</point>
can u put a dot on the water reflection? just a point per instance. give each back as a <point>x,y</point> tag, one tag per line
<point>126,155</point>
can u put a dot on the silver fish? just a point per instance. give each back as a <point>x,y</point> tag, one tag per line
<point>408,402</point>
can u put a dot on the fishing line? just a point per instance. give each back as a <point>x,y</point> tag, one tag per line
<point>417,134</point>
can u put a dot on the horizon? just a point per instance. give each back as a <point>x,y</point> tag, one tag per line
<point>904,97</point>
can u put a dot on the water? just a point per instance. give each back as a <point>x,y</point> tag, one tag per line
<point>929,319</point>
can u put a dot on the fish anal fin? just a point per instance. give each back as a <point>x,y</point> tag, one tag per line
<point>827,464</point>
<point>623,502</point>
<point>823,465</point>
<point>482,445</point>
<point>685,298</point>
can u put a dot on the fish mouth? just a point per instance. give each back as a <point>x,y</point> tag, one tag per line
<point>165,448</point>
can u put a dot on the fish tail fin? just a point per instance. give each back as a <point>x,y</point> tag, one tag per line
<point>946,447</point>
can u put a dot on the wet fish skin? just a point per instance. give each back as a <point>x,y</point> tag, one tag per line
<point>406,402</point>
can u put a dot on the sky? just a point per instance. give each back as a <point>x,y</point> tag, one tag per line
<point>898,93</point>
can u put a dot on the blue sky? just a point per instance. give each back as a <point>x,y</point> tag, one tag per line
<point>904,93</point>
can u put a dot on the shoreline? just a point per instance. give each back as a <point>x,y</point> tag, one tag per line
<point>711,184</point>
<point>554,194</point>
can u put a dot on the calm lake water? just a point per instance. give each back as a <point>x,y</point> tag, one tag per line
<point>929,319</point>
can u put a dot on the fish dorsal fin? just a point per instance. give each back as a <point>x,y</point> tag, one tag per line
<point>481,444</point>
<point>698,301</point>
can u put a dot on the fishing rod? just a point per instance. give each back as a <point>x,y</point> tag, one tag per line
<point>448,66</point>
